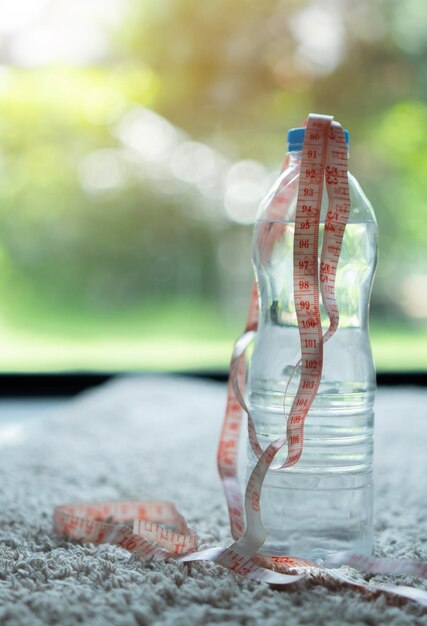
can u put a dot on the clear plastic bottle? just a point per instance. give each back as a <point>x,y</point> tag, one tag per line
<point>323,503</point>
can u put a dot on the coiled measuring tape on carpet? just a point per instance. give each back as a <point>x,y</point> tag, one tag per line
<point>155,529</point>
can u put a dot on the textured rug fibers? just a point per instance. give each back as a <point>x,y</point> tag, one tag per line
<point>155,437</point>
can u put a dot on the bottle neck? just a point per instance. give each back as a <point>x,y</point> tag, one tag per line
<point>293,157</point>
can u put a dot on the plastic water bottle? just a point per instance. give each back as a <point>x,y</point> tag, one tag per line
<point>323,503</point>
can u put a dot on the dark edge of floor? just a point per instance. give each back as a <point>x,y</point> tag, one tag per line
<point>24,385</point>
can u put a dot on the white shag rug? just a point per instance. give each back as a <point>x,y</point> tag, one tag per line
<point>156,437</point>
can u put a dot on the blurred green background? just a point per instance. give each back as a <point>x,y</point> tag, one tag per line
<point>136,141</point>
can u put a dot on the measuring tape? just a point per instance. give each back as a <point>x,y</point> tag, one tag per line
<point>155,529</point>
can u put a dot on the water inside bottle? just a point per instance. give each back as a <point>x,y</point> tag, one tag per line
<point>324,502</point>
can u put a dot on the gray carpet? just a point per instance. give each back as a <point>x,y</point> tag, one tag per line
<point>156,438</point>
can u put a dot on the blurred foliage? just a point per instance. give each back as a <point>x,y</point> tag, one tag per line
<point>90,228</point>
<point>99,251</point>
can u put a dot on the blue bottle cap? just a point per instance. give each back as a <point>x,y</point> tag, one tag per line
<point>296,138</point>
